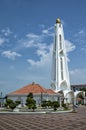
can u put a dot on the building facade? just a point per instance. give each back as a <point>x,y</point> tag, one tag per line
<point>39,94</point>
<point>78,87</point>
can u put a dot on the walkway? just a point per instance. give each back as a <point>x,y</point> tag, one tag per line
<point>64,121</point>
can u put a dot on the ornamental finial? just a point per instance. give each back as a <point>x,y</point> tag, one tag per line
<point>58,20</point>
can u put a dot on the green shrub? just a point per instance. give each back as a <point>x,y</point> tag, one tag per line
<point>10,104</point>
<point>17,102</point>
<point>30,102</point>
<point>65,106</point>
<point>55,105</point>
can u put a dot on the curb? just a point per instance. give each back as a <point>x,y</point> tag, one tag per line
<point>48,112</point>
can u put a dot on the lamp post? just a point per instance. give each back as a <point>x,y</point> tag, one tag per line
<point>41,98</point>
<point>66,102</point>
<point>60,102</point>
<point>1,98</point>
<point>73,104</point>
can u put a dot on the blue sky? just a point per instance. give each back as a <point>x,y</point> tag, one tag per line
<point>27,36</point>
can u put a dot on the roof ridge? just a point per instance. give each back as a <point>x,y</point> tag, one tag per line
<point>42,87</point>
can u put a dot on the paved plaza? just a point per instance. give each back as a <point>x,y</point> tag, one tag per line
<point>61,121</point>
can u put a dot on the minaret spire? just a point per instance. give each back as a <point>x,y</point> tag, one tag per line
<point>60,74</point>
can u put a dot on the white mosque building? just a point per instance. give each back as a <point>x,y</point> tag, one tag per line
<point>60,84</point>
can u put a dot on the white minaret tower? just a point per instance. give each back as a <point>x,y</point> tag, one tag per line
<point>60,74</point>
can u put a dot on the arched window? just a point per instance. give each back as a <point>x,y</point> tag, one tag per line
<point>60,41</point>
<point>61,68</point>
<point>55,42</point>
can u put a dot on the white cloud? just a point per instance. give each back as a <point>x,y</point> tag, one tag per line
<point>69,46</point>
<point>42,46</point>
<point>45,31</point>
<point>80,38</point>
<point>28,43</point>
<point>41,26</point>
<point>81,32</point>
<point>45,56</point>
<point>10,55</point>
<point>2,40</point>
<point>48,31</point>
<point>32,40</point>
<point>6,31</point>
<point>31,35</point>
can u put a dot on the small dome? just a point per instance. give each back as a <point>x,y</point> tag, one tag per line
<point>58,20</point>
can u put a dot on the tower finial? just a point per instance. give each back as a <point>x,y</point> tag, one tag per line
<point>58,20</point>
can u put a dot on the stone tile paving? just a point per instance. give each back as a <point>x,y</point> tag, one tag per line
<point>63,121</point>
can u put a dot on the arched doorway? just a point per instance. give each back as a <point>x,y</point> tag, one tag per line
<point>69,96</point>
<point>80,98</point>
